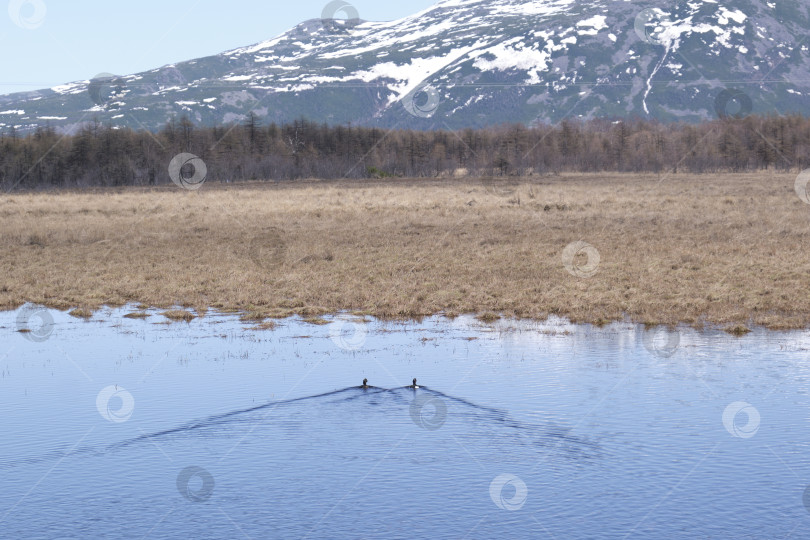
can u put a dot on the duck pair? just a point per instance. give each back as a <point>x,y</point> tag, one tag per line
<point>365,384</point>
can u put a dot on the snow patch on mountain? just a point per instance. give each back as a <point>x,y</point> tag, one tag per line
<point>71,88</point>
<point>593,25</point>
<point>514,55</point>
<point>411,75</point>
<point>536,7</point>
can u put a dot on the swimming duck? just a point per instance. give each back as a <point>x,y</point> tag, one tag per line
<point>414,385</point>
<point>365,384</point>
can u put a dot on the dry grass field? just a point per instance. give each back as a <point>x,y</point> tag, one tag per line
<point>728,250</point>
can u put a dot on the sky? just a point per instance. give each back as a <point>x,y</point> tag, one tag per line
<point>48,42</point>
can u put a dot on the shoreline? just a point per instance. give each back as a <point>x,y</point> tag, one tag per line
<point>722,251</point>
<point>178,315</point>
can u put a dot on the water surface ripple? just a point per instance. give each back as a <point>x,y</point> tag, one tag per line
<point>118,428</point>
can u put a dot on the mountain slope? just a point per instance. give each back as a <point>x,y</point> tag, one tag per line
<point>472,63</point>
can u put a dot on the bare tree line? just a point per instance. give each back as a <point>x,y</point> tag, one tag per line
<point>99,155</point>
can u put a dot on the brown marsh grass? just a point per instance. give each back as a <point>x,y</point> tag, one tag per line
<point>722,249</point>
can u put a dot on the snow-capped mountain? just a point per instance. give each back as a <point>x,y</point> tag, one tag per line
<point>471,63</point>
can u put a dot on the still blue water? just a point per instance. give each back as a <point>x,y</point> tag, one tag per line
<point>117,428</point>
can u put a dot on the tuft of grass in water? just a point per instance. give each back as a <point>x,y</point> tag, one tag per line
<point>81,313</point>
<point>253,316</point>
<point>179,315</point>
<point>266,325</point>
<point>488,317</point>
<point>137,315</point>
<point>316,320</point>
<point>737,330</point>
